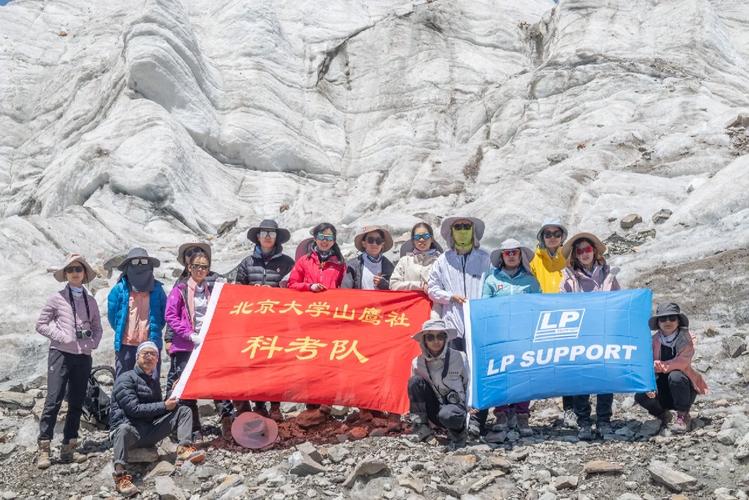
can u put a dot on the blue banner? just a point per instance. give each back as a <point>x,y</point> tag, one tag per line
<point>536,346</point>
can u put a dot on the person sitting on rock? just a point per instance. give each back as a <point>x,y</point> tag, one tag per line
<point>139,418</point>
<point>438,385</point>
<point>677,382</point>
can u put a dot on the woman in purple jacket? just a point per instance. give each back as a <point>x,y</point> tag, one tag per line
<point>185,310</point>
<point>70,320</point>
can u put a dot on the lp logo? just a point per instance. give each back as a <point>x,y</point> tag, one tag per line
<point>559,324</point>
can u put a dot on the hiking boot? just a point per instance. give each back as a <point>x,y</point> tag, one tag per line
<point>569,419</point>
<point>188,453</point>
<point>604,428</point>
<point>523,426</point>
<point>585,433</point>
<point>457,440</point>
<point>501,422</point>
<point>682,423</point>
<point>123,483</point>
<point>474,429</point>
<point>275,412</point>
<point>261,410</point>
<point>69,455</point>
<point>422,431</point>
<point>197,436</point>
<point>42,459</point>
<point>666,417</point>
<point>226,427</point>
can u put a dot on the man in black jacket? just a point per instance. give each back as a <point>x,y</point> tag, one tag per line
<point>138,417</point>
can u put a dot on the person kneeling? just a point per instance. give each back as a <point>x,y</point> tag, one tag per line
<point>677,382</point>
<point>438,384</point>
<point>139,417</point>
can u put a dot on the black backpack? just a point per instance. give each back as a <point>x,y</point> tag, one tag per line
<point>97,401</point>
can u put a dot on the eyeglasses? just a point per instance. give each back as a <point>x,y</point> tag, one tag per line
<point>431,337</point>
<point>325,237</point>
<point>149,354</point>
<point>422,236</point>
<point>554,234</point>
<point>511,253</point>
<point>462,226</point>
<point>672,317</point>
<point>199,267</point>
<point>583,251</point>
<point>140,262</point>
<point>74,269</point>
<point>267,234</point>
<point>373,240</point>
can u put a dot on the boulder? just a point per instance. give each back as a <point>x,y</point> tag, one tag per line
<point>367,467</point>
<point>309,449</point>
<point>311,418</point>
<point>673,479</point>
<point>302,464</point>
<point>661,216</point>
<point>566,482</point>
<point>629,221</point>
<point>16,400</point>
<point>167,489</point>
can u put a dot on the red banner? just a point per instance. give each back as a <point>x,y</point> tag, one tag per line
<point>344,347</point>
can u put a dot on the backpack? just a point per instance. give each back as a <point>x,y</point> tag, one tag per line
<point>97,401</point>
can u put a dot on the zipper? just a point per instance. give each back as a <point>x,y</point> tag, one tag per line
<point>465,261</point>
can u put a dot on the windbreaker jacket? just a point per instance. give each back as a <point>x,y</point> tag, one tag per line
<point>211,279</point>
<point>136,399</point>
<point>179,318</point>
<point>457,274</point>
<point>56,322</point>
<point>309,270</point>
<point>255,270</point>
<point>499,283</point>
<point>412,271</point>
<point>601,280</point>
<point>354,273</point>
<point>548,269</point>
<point>118,303</point>
<point>430,369</point>
<point>683,360</point>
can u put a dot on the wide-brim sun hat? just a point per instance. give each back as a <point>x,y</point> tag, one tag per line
<point>138,253</point>
<point>254,431</point>
<point>669,309</point>
<point>408,247</point>
<point>435,325</point>
<point>282,235</point>
<point>526,253</point>
<point>551,223</point>
<point>90,274</point>
<point>570,244</point>
<point>183,248</point>
<point>478,227</point>
<point>359,238</point>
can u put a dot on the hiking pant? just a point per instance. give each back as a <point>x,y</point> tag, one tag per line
<point>459,344</point>
<point>567,403</point>
<point>66,373</point>
<point>124,360</point>
<point>424,403</point>
<point>141,434</point>
<point>176,367</point>
<point>581,406</point>
<point>675,392</point>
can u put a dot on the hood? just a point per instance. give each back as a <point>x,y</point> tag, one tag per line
<point>478,230</point>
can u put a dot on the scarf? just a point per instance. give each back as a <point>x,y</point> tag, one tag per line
<point>431,252</point>
<point>77,291</point>
<point>463,239</point>
<point>373,260</point>
<point>140,278</point>
<point>321,254</point>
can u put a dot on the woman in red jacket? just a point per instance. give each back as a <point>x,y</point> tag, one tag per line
<point>323,266</point>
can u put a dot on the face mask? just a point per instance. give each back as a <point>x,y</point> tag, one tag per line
<point>463,238</point>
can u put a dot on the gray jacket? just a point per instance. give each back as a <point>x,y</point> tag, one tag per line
<point>430,369</point>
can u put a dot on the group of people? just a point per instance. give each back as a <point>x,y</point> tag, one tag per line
<point>138,310</point>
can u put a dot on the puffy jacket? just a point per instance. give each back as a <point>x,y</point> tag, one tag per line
<point>56,322</point>
<point>354,273</point>
<point>309,270</point>
<point>136,399</point>
<point>600,280</point>
<point>412,271</point>
<point>499,283</point>
<point>256,270</point>
<point>118,303</point>
<point>548,269</point>
<point>683,360</point>
<point>179,319</point>
<point>430,369</point>
<point>457,274</point>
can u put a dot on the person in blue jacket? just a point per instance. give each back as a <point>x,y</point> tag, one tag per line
<point>511,275</point>
<point>135,310</point>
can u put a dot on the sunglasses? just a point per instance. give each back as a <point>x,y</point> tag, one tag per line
<point>140,262</point>
<point>199,267</point>
<point>550,234</point>
<point>74,269</point>
<point>267,234</point>
<point>431,337</point>
<point>664,319</point>
<point>511,253</point>
<point>423,236</point>
<point>463,226</point>
<point>325,237</point>
<point>583,251</point>
<point>373,240</point>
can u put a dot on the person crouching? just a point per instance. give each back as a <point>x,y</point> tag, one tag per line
<point>438,384</point>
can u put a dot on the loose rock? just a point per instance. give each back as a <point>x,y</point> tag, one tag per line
<point>16,400</point>
<point>162,468</point>
<point>168,490</point>
<point>675,480</point>
<point>734,346</point>
<point>142,455</point>
<point>629,221</point>
<point>303,465</point>
<point>365,468</point>
<point>661,216</point>
<point>566,482</point>
<point>602,467</point>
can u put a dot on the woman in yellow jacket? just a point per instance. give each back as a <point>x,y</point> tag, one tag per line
<point>547,266</point>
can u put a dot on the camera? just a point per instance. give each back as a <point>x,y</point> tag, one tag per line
<point>453,398</point>
<point>81,334</point>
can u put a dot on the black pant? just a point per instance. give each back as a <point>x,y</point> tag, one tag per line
<point>581,406</point>
<point>65,373</point>
<point>675,392</point>
<point>177,366</point>
<point>424,403</point>
<point>459,344</point>
<point>567,403</point>
<point>142,434</point>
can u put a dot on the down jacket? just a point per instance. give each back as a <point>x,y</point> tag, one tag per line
<point>136,398</point>
<point>118,303</point>
<point>430,369</point>
<point>57,324</point>
<point>354,273</point>
<point>257,270</point>
<point>309,270</point>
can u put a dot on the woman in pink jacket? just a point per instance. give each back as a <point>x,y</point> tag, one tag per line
<point>70,320</point>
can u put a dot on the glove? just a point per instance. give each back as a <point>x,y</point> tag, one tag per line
<point>195,339</point>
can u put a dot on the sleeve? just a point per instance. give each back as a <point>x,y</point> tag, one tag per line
<point>436,288</point>
<point>413,366</point>
<point>683,360</point>
<point>96,328</point>
<point>241,277</point>
<point>113,305</point>
<point>46,325</point>
<point>127,399</point>
<point>565,286</point>
<point>615,284</point>
<point>173,316</point>
<point>396,279</point>
<point>349,277</point>
<point>487,288</point>
<point>535,285</point>
<point>296,278</point>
